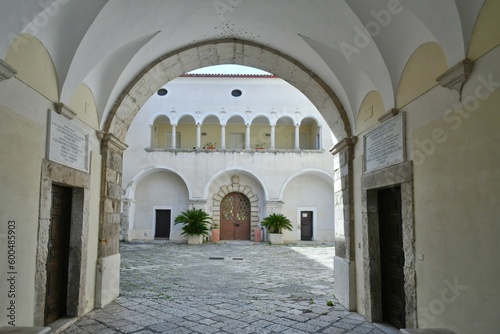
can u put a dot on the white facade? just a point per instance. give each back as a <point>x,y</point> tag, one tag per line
<point>289,172</point>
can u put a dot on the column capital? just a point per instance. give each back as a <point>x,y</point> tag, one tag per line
<point>110,138</point>
<point>343,144</point>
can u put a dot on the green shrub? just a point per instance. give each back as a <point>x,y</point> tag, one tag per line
<point>195,222</point>
<point>276,222</point>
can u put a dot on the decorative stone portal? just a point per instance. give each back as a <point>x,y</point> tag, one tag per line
<point>53,172</point>
<point>401,174</point>
<point>237,188</point>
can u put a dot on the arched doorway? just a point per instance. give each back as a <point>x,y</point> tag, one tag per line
<point>235,217</point>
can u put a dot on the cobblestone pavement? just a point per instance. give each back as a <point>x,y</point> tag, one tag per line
<point>230,287</point>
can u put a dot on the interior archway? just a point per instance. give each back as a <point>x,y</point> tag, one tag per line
<point>175,64</point>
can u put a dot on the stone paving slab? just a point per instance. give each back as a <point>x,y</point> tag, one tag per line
<point>169,287</point>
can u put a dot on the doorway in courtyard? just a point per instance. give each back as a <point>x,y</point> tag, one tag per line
<point>235,217</point>
<point>391,256</point>
<point>306,225</point>
<point>58,254</point>
<point>162,223</point>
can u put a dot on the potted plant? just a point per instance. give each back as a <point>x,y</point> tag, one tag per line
<point>215,233</point>
<point>195,225</point>
<point>260,146</point>
<point>275,224</point>
<point>209,146</point>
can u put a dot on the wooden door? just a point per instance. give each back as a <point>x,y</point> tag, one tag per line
<point>392,256</point>
<point>58,251</point>
<point>162,223</point>
<point>306,225</point>
<point>235,217</point>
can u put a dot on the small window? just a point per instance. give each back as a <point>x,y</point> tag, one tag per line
<point>162,92</point>
<point>236,93</point>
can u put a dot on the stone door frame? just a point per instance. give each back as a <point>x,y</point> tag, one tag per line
<point>237,188</point>
<point>53,172</point>
<point>397,175</point>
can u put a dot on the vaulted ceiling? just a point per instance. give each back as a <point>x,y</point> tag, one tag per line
<point>355,47</point>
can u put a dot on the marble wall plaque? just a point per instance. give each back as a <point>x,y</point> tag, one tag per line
<point>385,145</point>
<point>67,143</point>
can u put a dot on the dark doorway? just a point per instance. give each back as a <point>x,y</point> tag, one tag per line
<point>235,217</point>
<point>162,222</point>
<point>391,256</point>
<point>306,225</point>
<point>58,254</point>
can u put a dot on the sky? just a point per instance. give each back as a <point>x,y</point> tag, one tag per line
<point>228,69</point>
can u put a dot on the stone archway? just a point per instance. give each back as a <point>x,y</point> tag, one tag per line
<point>226,51</point>
<point>169,67</point>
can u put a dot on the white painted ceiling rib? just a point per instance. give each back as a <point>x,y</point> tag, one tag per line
<point>355,46</point>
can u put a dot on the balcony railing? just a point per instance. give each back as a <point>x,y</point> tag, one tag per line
<point>228,150</point>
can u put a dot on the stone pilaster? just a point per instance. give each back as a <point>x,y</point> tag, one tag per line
<point>108,262</point>
<point>128,209</point>
<point>111,193</point>
<point>273,207</point>
<point>344,265</point>
<point>198,204</point>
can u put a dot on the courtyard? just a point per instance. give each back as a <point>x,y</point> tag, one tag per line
<point>230,287</point>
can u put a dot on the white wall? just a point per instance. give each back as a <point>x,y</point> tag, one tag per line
<point>267,172</point>
<point>23,134</point>
<point>455,152</point>
<point>159,189</point>
<point>314,193</point>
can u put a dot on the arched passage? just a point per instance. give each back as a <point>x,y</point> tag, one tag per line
<point>172,65</point>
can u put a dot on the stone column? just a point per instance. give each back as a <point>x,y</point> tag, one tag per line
<point>344,266</point>
<point>297,141</point>
<point>273,137</point>
<point>108,262</point>
<point>247,137</point>
<point>174,137</point>
<point>198,136</point>
<point>223,137</point>
<point>320,138</point>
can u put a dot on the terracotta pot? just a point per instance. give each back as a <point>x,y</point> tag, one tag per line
<point>215,235</point>
<point>257,234</point>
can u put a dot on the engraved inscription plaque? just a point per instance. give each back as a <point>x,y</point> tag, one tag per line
<point>68,144</point>
<point>385,145</point>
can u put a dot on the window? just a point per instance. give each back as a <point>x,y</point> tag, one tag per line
<point>162,92</point>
